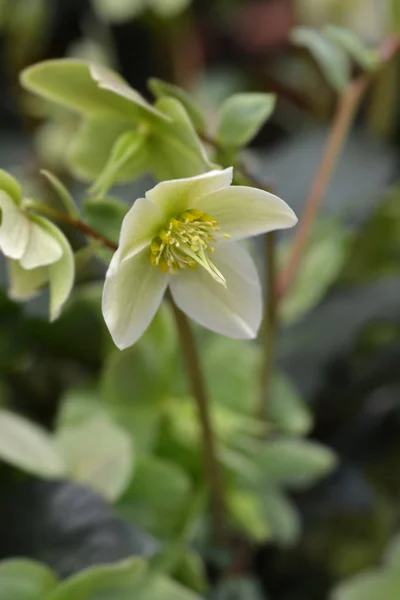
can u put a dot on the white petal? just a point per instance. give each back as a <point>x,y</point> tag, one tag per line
<point>132,294</point>
<point>140,225</point>
<point>25,284</point>
<point>61,274</point>
<point>234,311</point>
<point>42,248</point>
<point>244,211</point>
<point>177,195</point>
<point>14,229</point>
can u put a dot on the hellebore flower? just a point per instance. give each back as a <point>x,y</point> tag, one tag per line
<point>184,234</point>
<point>37,252</point>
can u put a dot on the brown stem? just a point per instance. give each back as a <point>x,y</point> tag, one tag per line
<point>343,120</point>
<point>270,325</point>
<point>212,464</point>
<point>76,224</point>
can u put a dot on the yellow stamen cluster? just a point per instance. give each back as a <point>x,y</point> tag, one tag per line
<point>186,241</point>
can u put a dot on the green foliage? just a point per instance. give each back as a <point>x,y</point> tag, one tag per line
<point>351,43</point>
<point>25,580</point>
<point>157,497</point>
<point>286,410</point>
<point>320,267</point>
<point>122,136</point>
<point>99,454</point>
<point>374,251</point>
<point>332,60</point>
<point>241,118</point>
<point>28,447</point>
<point>105,216</point>
<point>372,585</point>
<point>294,463</point>
<point>162,88</point>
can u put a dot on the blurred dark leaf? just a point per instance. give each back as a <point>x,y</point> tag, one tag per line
<point>66,526</point>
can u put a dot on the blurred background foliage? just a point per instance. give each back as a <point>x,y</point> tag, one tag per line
<point>319,499</point>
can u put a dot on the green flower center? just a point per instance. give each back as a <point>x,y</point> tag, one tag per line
<point>186,241</point>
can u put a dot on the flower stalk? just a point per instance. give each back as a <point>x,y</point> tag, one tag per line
<point>211,462</point>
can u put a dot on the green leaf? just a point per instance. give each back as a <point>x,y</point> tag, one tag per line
<point>70,83</point>
<point>99,454</point>
<point>130,147</point>
<point>61,273</point>
<point>10,186</point>
<point>136,384</point>
<point>286,409</point>
<point>370,585</point>
<point>282,517</point>
<point>320,266</point>
<point>112,582</point>
<point>241,118</point>
<point>162,88</point>
<point>191,571</point>
<point>63,194</point>
<point>176,150</point>
<point>246,510</point>
<point>90,148</point>
<point>105,216</point>
<point>127,580</point>
<point>228,385</point>
<point>295,463</point>
<point>351,43</point>
<point>77,405</point>
<point>119,11</point>
<point>333,61</point>
<point>29,447</point>
<point>157,496</point>
<point>25,580</point>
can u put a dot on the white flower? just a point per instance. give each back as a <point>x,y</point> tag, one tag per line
<point>37,252</point>
<point>183,235</point>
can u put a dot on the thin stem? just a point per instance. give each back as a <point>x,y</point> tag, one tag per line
<point>76,223</point>
<point>211,462</point>
<point>270,325</point>
<point>343,120</point>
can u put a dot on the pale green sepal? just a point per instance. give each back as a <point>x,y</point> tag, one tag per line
<point>10,186</point>
<point>242,116</point>
<point>42,247</point>
<point>62,192</point>
<point>61,273</point>
<point>23,284</point>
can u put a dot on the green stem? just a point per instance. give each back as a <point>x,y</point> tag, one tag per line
<point>270,325</point>
<point>211,461</point>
